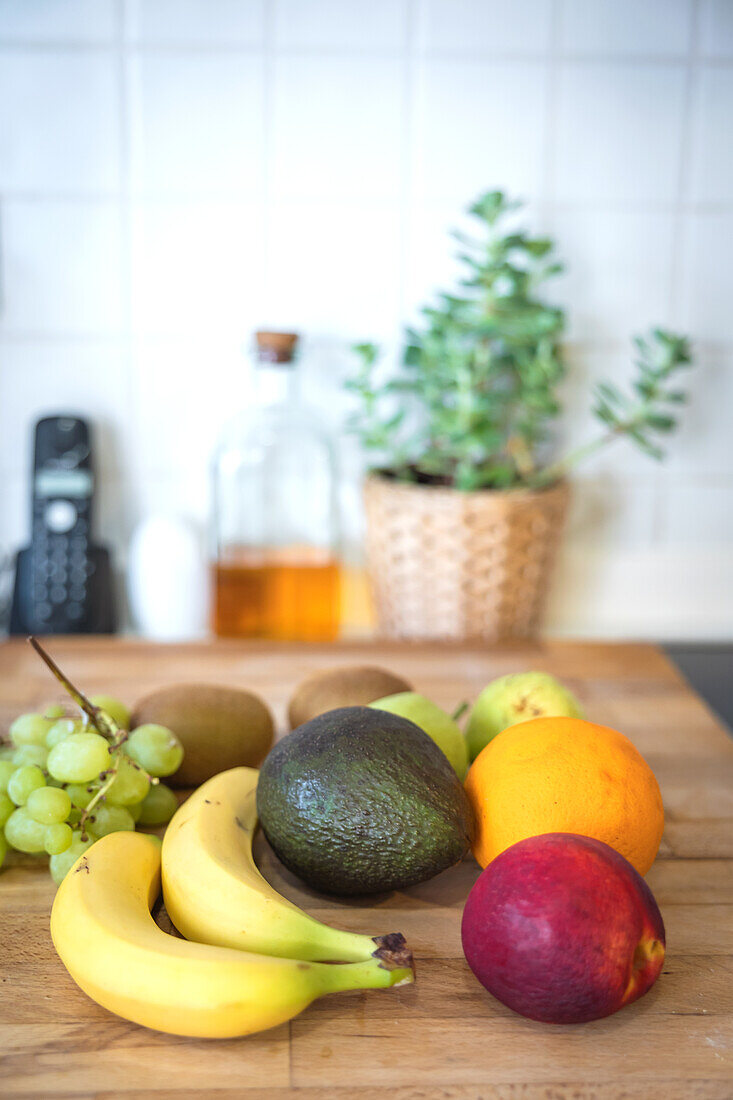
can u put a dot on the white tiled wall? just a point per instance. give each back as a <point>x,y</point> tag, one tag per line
<point>175,173</point>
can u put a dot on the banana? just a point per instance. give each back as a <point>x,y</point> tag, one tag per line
<point>214,893</point>
<point>106,937</point>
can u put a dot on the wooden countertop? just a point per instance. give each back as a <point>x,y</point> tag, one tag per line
<point>444,1037</point>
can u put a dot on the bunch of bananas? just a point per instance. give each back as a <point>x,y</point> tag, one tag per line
<point>252,959</point>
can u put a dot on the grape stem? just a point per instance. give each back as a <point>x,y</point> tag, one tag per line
<point>102,723</point>
<point>109,780</point>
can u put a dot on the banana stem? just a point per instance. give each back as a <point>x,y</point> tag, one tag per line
<point>338,977</point>
<point>393,952</point>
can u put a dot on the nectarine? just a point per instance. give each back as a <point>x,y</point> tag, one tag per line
<point>561,928</point>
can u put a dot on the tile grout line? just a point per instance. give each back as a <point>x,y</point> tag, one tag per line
<point>124,135</point>
<point>612,206</point>
<point>660,519</point>
<point>267,306</point>
<point>552,76</point>
<point>123,197</point>
<point>687,149</point>
<point>10,337</point>
<point>409,153</point>
<point>577,57</point>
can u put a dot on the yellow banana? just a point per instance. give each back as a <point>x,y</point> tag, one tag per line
<point>107,939</point>
<point>214,893</point>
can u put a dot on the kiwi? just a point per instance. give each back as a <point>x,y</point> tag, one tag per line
<point>219,728</point>
<point>349,686</point>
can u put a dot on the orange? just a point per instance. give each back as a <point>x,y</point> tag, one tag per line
<point>565,775</point>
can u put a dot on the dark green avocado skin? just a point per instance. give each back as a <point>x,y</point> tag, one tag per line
<point>359,801</point>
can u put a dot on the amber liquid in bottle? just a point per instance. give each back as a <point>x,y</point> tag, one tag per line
<point>275,571</point>
<point>285,593</point>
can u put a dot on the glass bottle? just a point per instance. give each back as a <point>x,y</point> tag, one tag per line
<point>275,568</point>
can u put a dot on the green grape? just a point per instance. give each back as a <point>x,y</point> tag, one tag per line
<point>55,710</point>
<point>24,780</point>
<point>60,865</point>
<point>23,833</point>
<point>29,729</point>
<point>135,810</point>
<point>116,710</point>
<point>7,767</point>
<point>79,758</point>
<point>155,748</point>
<point>74,815</point>
<point>48,805</point>
<point>30,754</point>
<point>58,838</point>
<point>130,784</point>
<point>159,805</point>
<point>3,848</point>
<point>62,729</point>
<point>109,819</point>
<point>7,806</point>
<point>81,794</point>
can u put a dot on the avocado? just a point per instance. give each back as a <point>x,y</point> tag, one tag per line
<point>360,801</point>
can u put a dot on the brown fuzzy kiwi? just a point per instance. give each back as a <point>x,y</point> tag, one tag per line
<point>348,686</point>
<point>219,728</point>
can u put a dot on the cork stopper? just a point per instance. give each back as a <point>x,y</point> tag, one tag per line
<point>276,347</point>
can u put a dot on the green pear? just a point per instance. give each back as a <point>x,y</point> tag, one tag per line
<point>517,698</point>
<point>439,726</point>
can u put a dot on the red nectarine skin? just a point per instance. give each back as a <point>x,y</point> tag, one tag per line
<point>561,928</point>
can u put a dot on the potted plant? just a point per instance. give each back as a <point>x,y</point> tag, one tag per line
<point>465,498</point>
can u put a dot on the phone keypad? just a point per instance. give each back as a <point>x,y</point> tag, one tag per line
<point>61,566</point>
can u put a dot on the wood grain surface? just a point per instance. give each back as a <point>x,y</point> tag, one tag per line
<point>444,1038</point>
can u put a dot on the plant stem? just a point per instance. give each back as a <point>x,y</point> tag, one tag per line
<point>556,471</point>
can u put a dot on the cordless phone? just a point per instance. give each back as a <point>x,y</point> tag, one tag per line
<point>63,582</point>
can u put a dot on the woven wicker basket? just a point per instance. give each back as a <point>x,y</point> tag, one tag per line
<point>448,564</point>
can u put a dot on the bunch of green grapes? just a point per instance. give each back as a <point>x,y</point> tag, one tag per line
<point>63,784</point>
